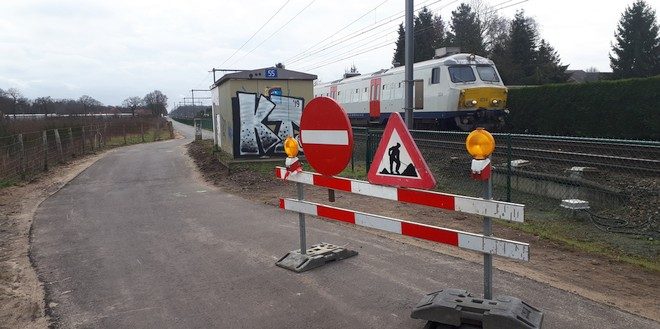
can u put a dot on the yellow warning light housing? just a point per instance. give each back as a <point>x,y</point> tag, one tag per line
<point>291,147</point>
<point>480,144</point>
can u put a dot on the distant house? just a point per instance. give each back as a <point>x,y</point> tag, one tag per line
<point>581,76</point>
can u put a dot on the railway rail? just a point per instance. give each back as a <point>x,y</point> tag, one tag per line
<point>612,154</point>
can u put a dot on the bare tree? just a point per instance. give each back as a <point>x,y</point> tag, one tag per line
<point>133,103</point>
<point>88,103</point>
<point>15,95</point>
<point>592,69</point>
<point>494,28</point>
<point>43,104</point>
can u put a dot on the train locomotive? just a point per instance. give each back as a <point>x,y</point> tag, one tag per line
<point>455,90</point>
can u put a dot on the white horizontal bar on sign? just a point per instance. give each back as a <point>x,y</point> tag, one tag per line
<point>461,239</point>
<point>325,137</point>
<point>495,246</point>
<point>490,208</point>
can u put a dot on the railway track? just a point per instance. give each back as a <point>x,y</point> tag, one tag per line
<point>622,155</point>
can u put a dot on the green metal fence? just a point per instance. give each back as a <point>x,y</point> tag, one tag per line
<point>207,123</point>
<point>619,178</point>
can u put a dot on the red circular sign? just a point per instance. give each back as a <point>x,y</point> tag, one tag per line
<point>326,135</point>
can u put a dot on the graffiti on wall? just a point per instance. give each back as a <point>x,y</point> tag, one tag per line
<point>264,122</point>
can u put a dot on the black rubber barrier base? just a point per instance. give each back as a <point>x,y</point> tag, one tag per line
<point>457,308</point>
<point>317,255</point>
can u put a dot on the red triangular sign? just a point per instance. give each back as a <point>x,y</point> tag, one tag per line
<point>397,161</point>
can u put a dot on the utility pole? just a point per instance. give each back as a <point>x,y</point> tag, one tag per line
<point>192,92</point>
<point>409,64</point>
<point>223,70</point>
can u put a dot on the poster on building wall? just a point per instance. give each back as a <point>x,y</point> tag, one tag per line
<point>263,125</point>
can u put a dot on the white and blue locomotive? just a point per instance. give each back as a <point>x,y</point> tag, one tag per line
<point>459,90</point>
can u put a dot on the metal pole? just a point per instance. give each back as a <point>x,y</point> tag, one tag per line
<point>488,231</point>
<point>409,64</point>
<point>192,92</point>
<point>301,221</point>
<point>508,167</point>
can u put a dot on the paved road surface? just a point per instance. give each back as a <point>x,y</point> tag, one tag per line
<point>135,242</point>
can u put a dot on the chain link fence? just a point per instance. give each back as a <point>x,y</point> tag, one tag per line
<point>25,154</point>
<point>618,178</point>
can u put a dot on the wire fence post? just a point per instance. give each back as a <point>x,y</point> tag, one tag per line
<point>83,140</point>
<point>58,143</point>
<point>23,158</point>
<point>124,131</point>
<point>105,134</point>
<point>509,172</point>
<point>142,131</point>
<point>367,155</point>
<point>44,146</point>
<point>71,144</point>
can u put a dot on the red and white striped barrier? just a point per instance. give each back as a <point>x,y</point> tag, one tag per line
<point>465,240</point>
<point>476,206</point>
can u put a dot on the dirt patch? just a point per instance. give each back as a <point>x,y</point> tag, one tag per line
<point>21,293</point>
<point>605,280</point>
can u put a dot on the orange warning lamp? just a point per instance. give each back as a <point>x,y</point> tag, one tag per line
<point>480,144</point>
<point>291,147</point>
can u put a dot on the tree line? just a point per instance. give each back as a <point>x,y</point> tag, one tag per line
<point>522,56</point>
<point>13,102</point>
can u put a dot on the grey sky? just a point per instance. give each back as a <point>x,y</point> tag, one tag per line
<point>111,50</point>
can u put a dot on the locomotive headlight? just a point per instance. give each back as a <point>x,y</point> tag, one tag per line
<point>495,101</point>
<point>470,102</point>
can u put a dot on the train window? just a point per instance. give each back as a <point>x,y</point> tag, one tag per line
<point>365,89</point>
<point>461,73</point>
<point>435,76</point>
<point>487,73</point>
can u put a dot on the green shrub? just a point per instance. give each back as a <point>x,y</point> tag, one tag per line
<point>628,109</point>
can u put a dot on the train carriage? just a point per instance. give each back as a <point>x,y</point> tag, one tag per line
<point>459,90</point>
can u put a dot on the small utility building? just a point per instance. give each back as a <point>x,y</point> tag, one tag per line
<point>254,111</point>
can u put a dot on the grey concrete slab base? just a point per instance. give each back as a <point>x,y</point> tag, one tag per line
<point>315,256</point>
<point>457,307</point>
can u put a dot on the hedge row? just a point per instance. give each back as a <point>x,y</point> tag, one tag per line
<point>628,109</point>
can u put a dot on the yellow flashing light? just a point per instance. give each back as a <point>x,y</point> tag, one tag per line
<point>291,147</point>
<point>480,144</point>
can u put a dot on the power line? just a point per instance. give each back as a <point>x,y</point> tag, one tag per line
<point>332,61</point>
<point>361,32</point>
<point>358,33</point>
<point>377,34</point>
<point>343,28</point>
<point>255,33</point>
<point>276,31</point>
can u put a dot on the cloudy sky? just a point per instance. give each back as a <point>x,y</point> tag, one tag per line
<point>111,50</point>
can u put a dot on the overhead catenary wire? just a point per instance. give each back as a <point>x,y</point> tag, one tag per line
<point>338,31</point>
<point>360,51</point>
<point>359,33</point>
<point>201,82</point>
<point>332,61</point>
<point>255,33</point>
<point>276,31</point>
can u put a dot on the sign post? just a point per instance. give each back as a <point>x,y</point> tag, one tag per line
<point>481,144</point>
<point>327,139</point>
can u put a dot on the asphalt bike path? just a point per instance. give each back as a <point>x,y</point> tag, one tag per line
<point>135,241</point>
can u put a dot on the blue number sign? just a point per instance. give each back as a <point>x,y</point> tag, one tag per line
<point>271,73</point>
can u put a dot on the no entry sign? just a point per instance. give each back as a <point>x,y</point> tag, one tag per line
<point>326,136</point>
